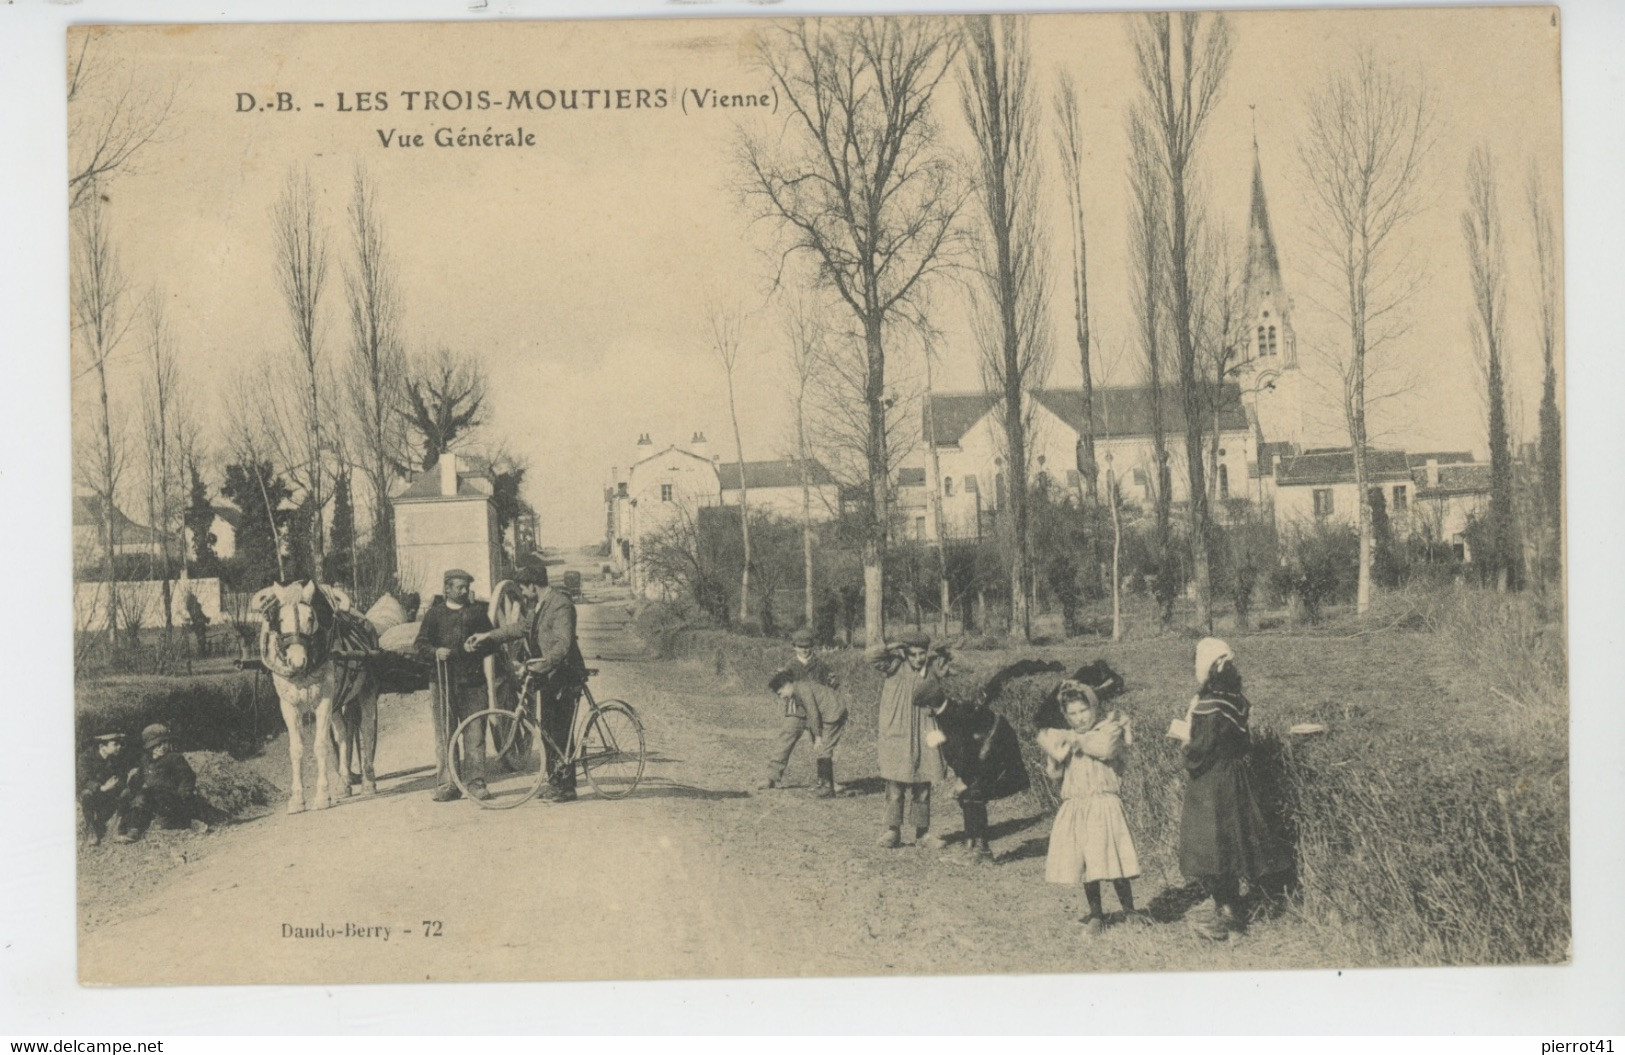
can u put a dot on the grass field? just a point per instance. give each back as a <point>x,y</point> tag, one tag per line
<point>1431,819</point>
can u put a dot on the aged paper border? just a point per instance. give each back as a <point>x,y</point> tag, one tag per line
<point>37,902</point>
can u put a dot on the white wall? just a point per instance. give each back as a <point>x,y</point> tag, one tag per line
<point>786,501</point>
<point>145,597</point>
<point>439,534</point>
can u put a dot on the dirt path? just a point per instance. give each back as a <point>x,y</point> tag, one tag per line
<point>691,877</point>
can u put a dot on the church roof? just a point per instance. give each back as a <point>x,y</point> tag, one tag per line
<point>1117,411</point>
<point>1263,263</point>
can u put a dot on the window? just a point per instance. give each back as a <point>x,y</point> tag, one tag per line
<point>1402,498</point>
<point>1139,478</point>
<point>970,483</point>
<point>1073,478</point>
<point>998,491</point>
<point>1272,346</point>
<point>948,486</point>
<point>1323,501</point>
<point>1263,341</point>
<point>1042,479</point>
<point>665,492</point>
<point>919,527</point>
<point>1224,481</point>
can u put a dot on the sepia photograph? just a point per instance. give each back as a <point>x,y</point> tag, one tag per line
<point>895,495</point>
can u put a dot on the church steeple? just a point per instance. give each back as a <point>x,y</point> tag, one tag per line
<point>1272,344</point>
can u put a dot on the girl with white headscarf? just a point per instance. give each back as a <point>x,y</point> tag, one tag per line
<point>1224,836</point>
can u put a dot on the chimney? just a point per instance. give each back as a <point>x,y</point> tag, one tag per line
<point>645,447</point>
<point>1433,472</point>
<point>699,445</point>
<point>448,473</point>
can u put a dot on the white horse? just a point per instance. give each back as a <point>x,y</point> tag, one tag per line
<point>304,623</point>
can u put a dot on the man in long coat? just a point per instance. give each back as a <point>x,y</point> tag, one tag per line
<point>550,631</point>
<point>908,764</point>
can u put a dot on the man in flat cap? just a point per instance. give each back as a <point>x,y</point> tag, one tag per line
<point>908,764</point>
<point>443,639</point>
<point>549,629</point>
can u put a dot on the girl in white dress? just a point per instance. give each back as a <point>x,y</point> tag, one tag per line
<point>1090,841</point>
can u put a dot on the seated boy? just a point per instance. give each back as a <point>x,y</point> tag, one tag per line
<point>166,789</point>
<point>812,707</point>
<point>105,772</point>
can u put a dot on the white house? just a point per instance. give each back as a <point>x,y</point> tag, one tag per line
<point>775,486</point>
<point>968,431</point>
<point>445,518</point>
<point>1430,495</point>
<point>670,484</point>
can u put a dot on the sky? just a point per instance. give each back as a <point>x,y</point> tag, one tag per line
<point>580,271</point>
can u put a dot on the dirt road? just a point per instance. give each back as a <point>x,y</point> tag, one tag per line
<point>693,876</point>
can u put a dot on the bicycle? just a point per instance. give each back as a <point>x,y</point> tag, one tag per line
<point>606,740</point>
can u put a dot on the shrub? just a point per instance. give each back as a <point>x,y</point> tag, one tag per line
<point>205,713</point>
<point>1321,568</point>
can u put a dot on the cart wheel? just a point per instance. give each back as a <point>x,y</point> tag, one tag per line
<point>612,749</point>
<point>513,770</point>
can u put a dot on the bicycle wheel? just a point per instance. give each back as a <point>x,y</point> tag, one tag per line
<point>512,769</point>
<point>612,749</point>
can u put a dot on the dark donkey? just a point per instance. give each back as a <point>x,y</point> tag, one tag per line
<point>306,624</point>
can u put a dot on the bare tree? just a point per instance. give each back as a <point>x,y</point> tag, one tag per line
<point>101,318</point>
<point>1180,85</point>
<point>1486,273</point>
<point>726,325</point>
<point>445,401</point>
<point>376,372</point>
<point>1550,450</point>
<point>933,479</point>
<point>164,427</point>
<point>1069,140</point>
<point>806,361</point>
<point>1368,138</point>
<point>855,182</point>
<point>1001,109</point>
<point>301,269</point>
<point>1148,242</point>
<point>111,118</point>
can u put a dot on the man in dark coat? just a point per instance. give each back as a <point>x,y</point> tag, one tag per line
<point>984,753</point>
<point>105,773</point>
<point>549,630</point>
<point>452,620</point>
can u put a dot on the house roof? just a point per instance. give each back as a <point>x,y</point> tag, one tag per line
<point>1454,479</point>
<point>670,447</point>
<point>783,472</point>
<point>953,414</point>
<point>87,513</point>
<point>1336,466</point>
<point>1116,412</point>
<point>473,481</point>
<point>1442,457</point>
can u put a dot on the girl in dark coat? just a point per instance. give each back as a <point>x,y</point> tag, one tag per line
<point>984,753</point>
<point>1223,835</point>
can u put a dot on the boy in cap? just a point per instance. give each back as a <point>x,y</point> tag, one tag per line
<point>809,707</point>
<point>166,789</point>
<point>105,773</point>
<point>443,639</point>
<point>908,764</point>
<point>805,665</point>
